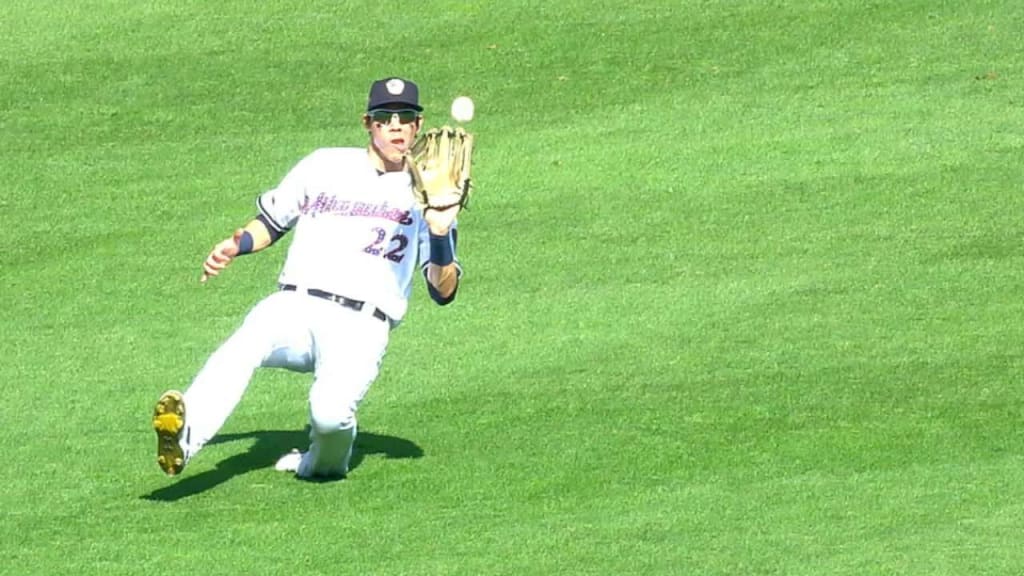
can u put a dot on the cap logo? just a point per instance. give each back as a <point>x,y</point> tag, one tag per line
<point>395,86</point>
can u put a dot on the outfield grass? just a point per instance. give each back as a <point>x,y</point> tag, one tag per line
<point>742,292</point>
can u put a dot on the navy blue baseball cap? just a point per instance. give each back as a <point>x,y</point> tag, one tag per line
<point>391,91</point>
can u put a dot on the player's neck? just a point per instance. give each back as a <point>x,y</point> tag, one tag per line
<point>382,164</point>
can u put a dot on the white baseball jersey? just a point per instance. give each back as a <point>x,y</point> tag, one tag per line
<point>358,232</point>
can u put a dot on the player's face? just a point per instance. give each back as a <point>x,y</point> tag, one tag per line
<point>392,131</point>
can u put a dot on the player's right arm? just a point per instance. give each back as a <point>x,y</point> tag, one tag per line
<point>253,237</point>
<point>278,210</point>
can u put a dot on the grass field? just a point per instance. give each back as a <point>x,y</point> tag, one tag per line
<point>742,296</point>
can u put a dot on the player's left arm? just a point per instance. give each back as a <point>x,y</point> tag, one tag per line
<point>442,269</point>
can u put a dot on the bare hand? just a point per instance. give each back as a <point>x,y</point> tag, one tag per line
<point>221,255</point>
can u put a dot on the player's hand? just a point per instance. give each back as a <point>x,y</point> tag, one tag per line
<point>441,220</point>
<point>219,258</point>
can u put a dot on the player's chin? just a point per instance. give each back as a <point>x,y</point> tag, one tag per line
<point>390,151</point>
<point>395,154</point>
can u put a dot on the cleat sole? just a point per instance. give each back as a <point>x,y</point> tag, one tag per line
<point>168,422</point>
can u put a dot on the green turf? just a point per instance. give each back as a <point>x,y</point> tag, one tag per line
<point>742,294</point>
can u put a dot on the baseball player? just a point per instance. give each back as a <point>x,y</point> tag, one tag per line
<point>358,239</point>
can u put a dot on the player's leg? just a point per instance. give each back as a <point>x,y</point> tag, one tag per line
<point>274,333</point>
<point>347,356</point>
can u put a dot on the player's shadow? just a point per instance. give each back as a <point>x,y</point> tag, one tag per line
<point>268,447</point>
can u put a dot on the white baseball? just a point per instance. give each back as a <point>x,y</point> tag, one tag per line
<point>462,109</point>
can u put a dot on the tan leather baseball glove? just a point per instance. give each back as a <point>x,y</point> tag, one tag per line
<point>439,162</point>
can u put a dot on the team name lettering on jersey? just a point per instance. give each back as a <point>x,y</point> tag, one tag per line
<point>329,204</point>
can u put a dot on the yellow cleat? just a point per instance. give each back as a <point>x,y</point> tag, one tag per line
<point>169,422</point>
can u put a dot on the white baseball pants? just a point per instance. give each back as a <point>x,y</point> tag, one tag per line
<point>342,347</point>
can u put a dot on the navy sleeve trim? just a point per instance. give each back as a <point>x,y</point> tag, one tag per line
<point>275,233</point>
<point>266,219</point>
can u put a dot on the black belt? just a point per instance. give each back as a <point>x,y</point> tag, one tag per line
<point>356,305</point>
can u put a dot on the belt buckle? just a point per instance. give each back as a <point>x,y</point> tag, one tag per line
<point>349,303</point>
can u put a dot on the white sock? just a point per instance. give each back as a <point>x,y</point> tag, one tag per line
<point>329,454</point>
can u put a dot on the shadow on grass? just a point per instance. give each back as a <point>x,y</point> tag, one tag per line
<point>271,445</point>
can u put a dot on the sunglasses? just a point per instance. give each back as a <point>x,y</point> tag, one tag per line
<point>384,116</point>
